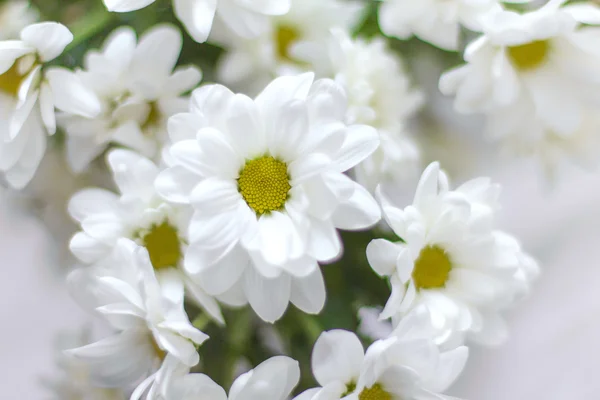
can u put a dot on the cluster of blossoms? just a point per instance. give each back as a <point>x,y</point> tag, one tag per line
<point>232,194</point>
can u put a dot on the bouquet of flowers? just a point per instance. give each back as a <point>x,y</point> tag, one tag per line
<point>238,172</point>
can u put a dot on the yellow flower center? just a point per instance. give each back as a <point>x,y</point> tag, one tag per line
<point>264,183</point>
<point>153,118</point>
<point>432,268</point>
<point>160,353</point>
<point>350,388</point>
<point>529,56</point>
<point>163,245</point>
<point>285,36</point>
<point>11,80</point>
<point>375,392</point>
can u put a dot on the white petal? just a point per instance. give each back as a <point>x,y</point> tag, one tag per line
<point>361,141</point>
<point>269,298</point>
<point>47,109</point>
<point>361,211</point>
<point>117,361</point>
<point>450,366</point>
<point>88,249</point>
<point>183,79</point>
<point>382,255</point>
<point>281,91</point>
<point>428,184</point>
<point>337,356</point>
<point>308,293</point>
<point>307,167</point>
<point>89,202</point>
<point>184,126</point>
<point>133,174</point>
<point>324,241</point>
<point>71,95</point>
<point>196,16</point>
<point>195,387</point>
<point>49,38</point>
<point>10,51</point>
<point>176,184</point>
<point>214,195</point>
<point>126,5</point>
<point>245,126</point>
<point>204,300</point>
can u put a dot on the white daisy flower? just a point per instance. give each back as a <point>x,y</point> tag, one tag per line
<point>139,214</point>
<point>273,379</point>
<point>451,260</point>
<point>139,90</point>
<point>405,366</point>
<point>14,16</point>
<point>73,381</point>
<point>265,178</point>
<point>245,17</point>
<point>536,78</point>
<point>435,21</point>
<point>155,339</point>
<point>381,95</point>
<point>293,43</point>
<point>29,92</point>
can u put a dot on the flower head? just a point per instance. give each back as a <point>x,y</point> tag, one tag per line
<point>155,338</point>
<point>273,379</point>
<point>407,365</point>
<point>293,43</point>
<point>245,17</point>
<point>265,179</point>
<point>451,259</point>
<point>139,214</point>
<point>381,95</point>
<point>535,77</point>
<point>29,93</point>
<point>139,87</point>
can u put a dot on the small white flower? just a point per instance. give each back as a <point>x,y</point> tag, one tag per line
<point>536,77</point>
<point>293,43</point>
<point>435,21</point>
<point>380,95</point>
<point>451,259</point>
<point>407,365</point>
<point>73,382</point>
<point>274,379</point>
<point>139,86</point>
<point>29,92</point>
<point>139,214</point>
<point>155,338</point>
<point>14,16</point>
<point>265,178</point>
<point>245,17</point>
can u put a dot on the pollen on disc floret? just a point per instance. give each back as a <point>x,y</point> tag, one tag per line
<point>264,184</point>
<point>375,392</point>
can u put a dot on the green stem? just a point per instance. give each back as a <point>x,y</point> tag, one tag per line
<point>88,26</point>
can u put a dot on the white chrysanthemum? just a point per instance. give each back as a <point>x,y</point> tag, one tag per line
<point>435,21</point>
<point>155,338</point>
<point>451,260</point>
<point>29,92</point>
<point>407,365</point>
<point>293,43</point>
<point>536,76</point>
<point>139,87</point>
<point>14,16</point>
<point>246,17</point>
<point>265,178</point>
<point>73,382</point>
<point>380,95</point>
<point>273,379</point>
<point>139,214</point>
